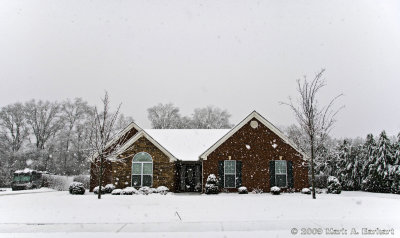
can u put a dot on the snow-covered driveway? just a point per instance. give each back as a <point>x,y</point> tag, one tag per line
<point>259,214</point>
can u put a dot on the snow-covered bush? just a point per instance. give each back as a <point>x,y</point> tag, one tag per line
<point>162,190</point>
<point>257,191</point>
<point>116,192</point>
<point>211,185</point>
<point>334,185</point>
<point>243,190</point>
<point>145,190</point>
<point>212,179</point>
<point>153,190</point>
<point>84,179</point>
<point>306,191</point>
<point>129,191</point>
<point>276,190</point>
<point>76,188</point>
<point>96,190</point>
<point>109,188</point>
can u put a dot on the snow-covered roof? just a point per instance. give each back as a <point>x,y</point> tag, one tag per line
<point>25,171</point>
<point>186,144</point>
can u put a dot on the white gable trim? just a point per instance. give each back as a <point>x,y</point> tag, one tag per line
<point>122,133</point>
<point>260,118</point>
<point>140,134</point>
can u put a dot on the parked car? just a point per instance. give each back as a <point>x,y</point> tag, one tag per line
<point>26,179</point>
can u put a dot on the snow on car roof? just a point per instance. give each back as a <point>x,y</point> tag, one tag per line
<point>186,144</point>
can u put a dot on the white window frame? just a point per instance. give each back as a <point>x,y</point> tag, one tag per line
<point>281,173</point>
<point>141,170</point>
<point>229,173</point>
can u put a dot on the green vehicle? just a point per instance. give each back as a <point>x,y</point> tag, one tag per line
<point>26,179</point>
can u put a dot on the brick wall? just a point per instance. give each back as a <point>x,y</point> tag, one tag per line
<point>256,156</point>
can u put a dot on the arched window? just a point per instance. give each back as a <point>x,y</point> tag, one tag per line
<point>142,170</point>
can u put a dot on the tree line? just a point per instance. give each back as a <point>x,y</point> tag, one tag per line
<point>371,164</point>
<point>47,136</point>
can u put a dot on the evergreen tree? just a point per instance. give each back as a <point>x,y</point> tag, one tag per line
<point>378,179</point>
<point>395,169</point>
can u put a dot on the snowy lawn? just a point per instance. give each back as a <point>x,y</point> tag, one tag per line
<point>194,215</point>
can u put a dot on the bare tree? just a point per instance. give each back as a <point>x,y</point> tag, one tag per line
<point>102,128</point>
<point>314,120</point>
<point>211,118</point>
<point>74,114</point>
<point>13,126</point>
<point>44,120</point>
<point>164,116</point>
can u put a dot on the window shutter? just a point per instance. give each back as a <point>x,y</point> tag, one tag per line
<point>221,173</point>
<point>238,173</point>
<point>272,173</point>
<point>290,174</point>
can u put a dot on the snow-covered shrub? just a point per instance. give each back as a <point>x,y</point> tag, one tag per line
<point>109,188</point>
<point>129,191</point>
<point>334,185</point>
<point>276,190</point>
<point>162,190</point>
<point>243,190</point>
<point>96,190</point>
<point>84,179</point>
<point>211,185</point>
<point>257,191</point>
<point>306,191</point>
<point>116,192</point>
<point>212,179</point>
<point>76,188</point>
<point>145,190</point>
<point>153,190</point>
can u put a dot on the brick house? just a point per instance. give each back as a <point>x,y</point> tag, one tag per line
<point>254,154</point>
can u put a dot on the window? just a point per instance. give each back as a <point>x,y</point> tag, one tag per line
<point>281,173</point>
<point>230,174</point>
<point>142,170</point>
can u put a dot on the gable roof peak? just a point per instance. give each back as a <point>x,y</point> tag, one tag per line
<point>259,117</point>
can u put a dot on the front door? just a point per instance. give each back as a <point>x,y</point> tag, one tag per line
<point>190,182</point>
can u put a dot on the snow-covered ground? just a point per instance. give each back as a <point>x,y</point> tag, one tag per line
<point>58,214</point>
<point>8,191</point>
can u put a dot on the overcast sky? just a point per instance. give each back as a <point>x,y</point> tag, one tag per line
<point>238,55</point>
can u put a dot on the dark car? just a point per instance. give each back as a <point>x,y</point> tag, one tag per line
<point>26,179</point>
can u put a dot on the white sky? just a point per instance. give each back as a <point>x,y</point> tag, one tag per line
<point>238,55</point>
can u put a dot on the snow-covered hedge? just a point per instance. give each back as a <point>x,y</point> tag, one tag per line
<point>243,190</point>
<point>334,185</point>
<point>306,191</point>
<point>96,190</point>
<point>276,190</point>
<point>76,188</point>
<point>162,190</point>
<point>145,190</point>
<point>129,191</point>
<point>57,182</point>
<point>116,192</point>
<point>211,185</point>
<point>109,188</point>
